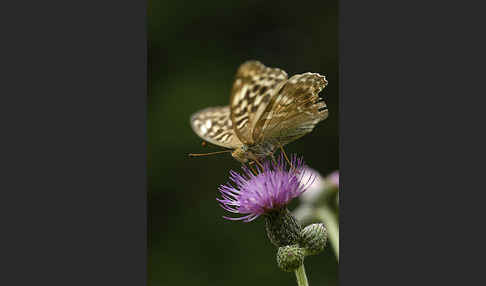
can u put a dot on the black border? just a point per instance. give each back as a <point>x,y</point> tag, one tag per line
<point>74,200</point>
<point>409,87</point>
<point>74,143</point>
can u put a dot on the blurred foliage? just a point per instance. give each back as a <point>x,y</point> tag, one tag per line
<point>195,48</point>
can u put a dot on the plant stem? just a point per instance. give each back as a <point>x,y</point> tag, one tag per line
<point>327,216</point>
<point>301,277</point>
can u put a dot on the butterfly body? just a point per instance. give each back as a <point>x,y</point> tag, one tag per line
<point>267,110</point>
<point>254,152</point>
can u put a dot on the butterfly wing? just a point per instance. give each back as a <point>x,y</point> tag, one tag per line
<point>294,110</point>
<point>214,125</point>
<point>254,86</point>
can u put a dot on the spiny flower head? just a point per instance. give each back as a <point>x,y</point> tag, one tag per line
<point>272,188</point>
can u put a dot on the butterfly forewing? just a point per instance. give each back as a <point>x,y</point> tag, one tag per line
<point>252,90</point>
<point>214,125</point>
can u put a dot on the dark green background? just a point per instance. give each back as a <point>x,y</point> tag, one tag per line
<point>195,48</point>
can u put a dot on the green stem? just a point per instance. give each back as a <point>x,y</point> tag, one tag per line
<point>301,277</point>
<point>327,216</point>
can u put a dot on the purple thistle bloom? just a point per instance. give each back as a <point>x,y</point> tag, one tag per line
<point>334,178</point>
<point>272,189</point>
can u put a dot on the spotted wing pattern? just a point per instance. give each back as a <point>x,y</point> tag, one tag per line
<point>214,125</point>
<point>293,111</point>
<point>254,86</point>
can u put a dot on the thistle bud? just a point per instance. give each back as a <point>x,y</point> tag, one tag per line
<point>313,238</point>
<point>290,257</point>
<point>282,228</point>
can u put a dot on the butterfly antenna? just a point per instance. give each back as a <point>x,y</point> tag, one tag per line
<point>208,154</point>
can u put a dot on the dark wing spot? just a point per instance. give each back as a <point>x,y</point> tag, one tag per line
<point>250,100</point>
<point>219,131</point>
<point>241,121</point>
<point>256,87</point>
<point>263,89</point>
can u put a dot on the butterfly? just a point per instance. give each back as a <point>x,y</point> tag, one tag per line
<point>267,110</point>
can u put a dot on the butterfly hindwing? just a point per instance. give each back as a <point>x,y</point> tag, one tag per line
<point>294,110</point>
<point>214,125</point>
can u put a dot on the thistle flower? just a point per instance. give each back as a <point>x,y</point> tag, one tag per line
<point>316,189</point>
<point>334,178</point>
<point>268,191</point>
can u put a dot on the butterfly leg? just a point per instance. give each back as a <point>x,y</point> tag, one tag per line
<point>285,155</point>
<point>251,168</point>
<point>273,157</point>
<point>259,164</point>
<point>275,160</point>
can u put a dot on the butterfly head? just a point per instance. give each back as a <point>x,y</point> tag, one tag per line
<point>252,152</point>
<point>246,153</point>
<point>241,154</point>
